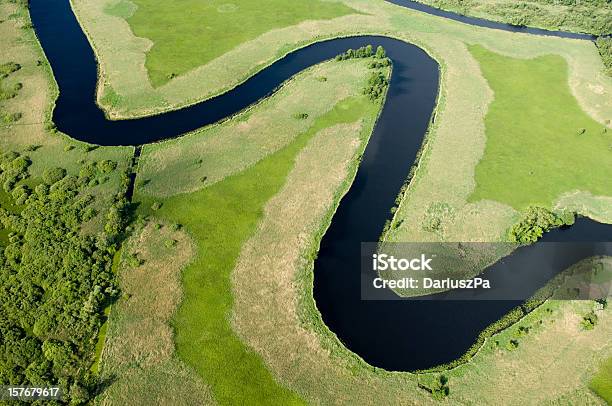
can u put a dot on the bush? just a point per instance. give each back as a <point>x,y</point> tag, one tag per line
<point>8,68</point>
<point>107,166</point>
<point>604,45</point>
<point>589,321</point>
<point>53,175</point>
<point>363,52</point>
<point>376,85</point>
<point>535,221</point>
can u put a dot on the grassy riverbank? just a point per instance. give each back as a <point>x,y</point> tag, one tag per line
<point>591,16</point>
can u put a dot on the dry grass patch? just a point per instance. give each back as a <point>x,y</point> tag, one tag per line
<point>266,291</point>
<point>138,362</point>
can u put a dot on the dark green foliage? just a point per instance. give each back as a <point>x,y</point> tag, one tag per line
<point>512,345</point>
<point>55,280</point>
<point>10,91</point>
<point>380,52</point>
<point>133,261</point>
<point>382,63</point>
<point>13,168</point>
<point>589,321</point>
<point>52,175</point>
<point>604,45</point>
<point>300,116</point>
<point>8,68</point>
<point>535,221</point>
<point>363,52</point>
<point>107,166</point>
<point>9,118</point>
<point>438,387</point>
<point>156,206</point>
<point>376,86</point>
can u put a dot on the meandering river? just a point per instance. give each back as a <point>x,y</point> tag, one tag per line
<point>395,335</point>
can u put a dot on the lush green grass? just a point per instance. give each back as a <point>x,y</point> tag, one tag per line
<point>602,382</point>
<point>540,143</point>
<point>221,218</point>
<point>203,30</point>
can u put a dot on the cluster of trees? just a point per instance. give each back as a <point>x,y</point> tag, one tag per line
<point>535,221</point>
<point>363,52</point>
<point>377,83</point>
<point>604,45</point>
<point>55,280</point>
<point>590,16</point>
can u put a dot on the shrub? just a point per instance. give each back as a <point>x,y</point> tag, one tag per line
<point>363,52</point>
<point>604,46</point>
<point>52,175</point>
<point>535,221</point>
<point>376,85</point>
<point>107,166</point>
<point>589,321</point>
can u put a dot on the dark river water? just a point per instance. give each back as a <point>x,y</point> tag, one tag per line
<point>395,335</point>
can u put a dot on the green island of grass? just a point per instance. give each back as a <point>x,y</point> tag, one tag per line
<point>540,143</point>
<point>195,37</point>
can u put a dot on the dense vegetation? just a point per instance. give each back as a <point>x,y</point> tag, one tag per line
<point>604,45</point>
<point>535,221</point>
<point>590,16</point>
<point>55,279</point>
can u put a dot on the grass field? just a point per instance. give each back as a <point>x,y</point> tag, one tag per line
<point>602,382</point>
<point>540,144</point>
<point>194,38</point>
<point>222,217</point>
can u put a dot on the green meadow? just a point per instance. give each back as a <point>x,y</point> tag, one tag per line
<point>191,33</point>
<point>222,217</point>
<point>539,142</point>
<point>602,381</point>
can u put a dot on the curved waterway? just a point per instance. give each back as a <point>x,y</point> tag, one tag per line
<point>395,335</point>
